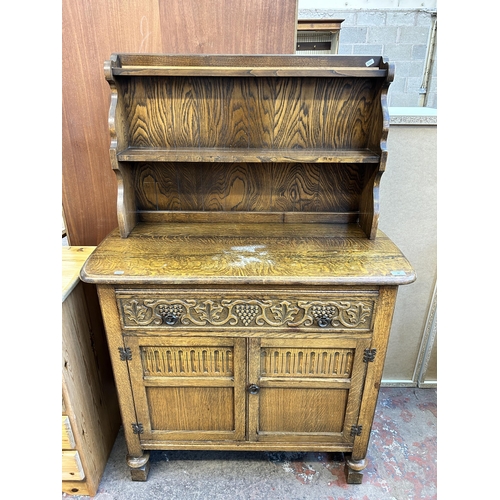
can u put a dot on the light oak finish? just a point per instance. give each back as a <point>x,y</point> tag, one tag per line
<point>91,418</point>
<point>247,293</point>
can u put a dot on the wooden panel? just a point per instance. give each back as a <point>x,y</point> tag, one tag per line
<point>253,310</point>
<point>312,391</point>
<point>374,370</point>
<point>198,395</point>
<point>261,187</point>
<point>68,439</point>
<point>172,361</point>
<point>228,27</point>
<point>73,259</point>
<point>72,466</point>
<point>91,32</point>
<point>94,30</point>
<point>293,113</point>
<point>302,410</point>
<point>302,362</point>
<point>87,382</point>
<point>179,408</point>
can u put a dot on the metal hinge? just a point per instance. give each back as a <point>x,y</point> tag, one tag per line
<point>137,428</point>
<point>125,353</point>
<point>369,355</point>
<point>356,430</point>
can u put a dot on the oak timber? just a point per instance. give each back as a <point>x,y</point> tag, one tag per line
<point>247,292</point>
<point>211,254</point>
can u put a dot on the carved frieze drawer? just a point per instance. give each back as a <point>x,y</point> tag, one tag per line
<point>352,312</point>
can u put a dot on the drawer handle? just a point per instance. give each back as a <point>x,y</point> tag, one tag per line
<point>253,389</point>
<point>323,322</point>
<point>170,319</point>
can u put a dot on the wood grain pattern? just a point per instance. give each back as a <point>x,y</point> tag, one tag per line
<point>267,137</point>
<point>90,398</point>
<point>302,410</point>
<point>72,261</point>
<point>381,331</point>
<point>90,33</point>
<point>248,253</point>
<point>261,155</point>
<point>120,370</point>
<point>215,65</point>
<point>197,405</point>
<point>228,27</point>
<point>248,187</point>
<point>178,409</point>
<point>72,469</point>
<point>283,113</point>
<point>245,305</point>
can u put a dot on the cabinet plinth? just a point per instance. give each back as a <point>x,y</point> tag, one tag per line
<point>247,292</point>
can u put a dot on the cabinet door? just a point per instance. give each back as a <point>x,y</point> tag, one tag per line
<point>305,391</point>
<point>188,389</point>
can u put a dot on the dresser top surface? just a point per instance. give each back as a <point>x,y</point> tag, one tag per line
<point>252,254</point>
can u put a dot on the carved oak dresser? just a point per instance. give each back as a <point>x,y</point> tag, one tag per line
<point>247,293</point>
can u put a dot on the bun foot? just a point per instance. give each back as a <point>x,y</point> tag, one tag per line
<point>139,467</point>
<point>353,470</point>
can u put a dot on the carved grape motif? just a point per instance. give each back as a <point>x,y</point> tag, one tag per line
<point>263,313</point>
<point>170,309</point>
<point>324,311</point>
<point>246,312</point>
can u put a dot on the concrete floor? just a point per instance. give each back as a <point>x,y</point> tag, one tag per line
<point>402,465</point>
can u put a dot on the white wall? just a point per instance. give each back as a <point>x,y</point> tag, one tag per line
<point>367,4</point>
<point>408,215</point>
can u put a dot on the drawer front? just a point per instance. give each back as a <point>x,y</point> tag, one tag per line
<point>348,311</point>
<point>68,439</point>
<point>72,468</point>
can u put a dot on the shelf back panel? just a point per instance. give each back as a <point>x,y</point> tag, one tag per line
<point>231,112</point>
<point>252,187</point>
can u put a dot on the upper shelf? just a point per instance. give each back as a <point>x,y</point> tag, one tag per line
<point>230,155</point>
<point>248,65</point>
<point>170,115</point>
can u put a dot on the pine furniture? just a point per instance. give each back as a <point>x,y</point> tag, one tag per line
<point>248,292</point>
<point>90,413</point>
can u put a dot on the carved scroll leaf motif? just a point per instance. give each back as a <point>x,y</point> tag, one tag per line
<point>152,311</point>
<point>245,312</point>
<point>137,313</point>
<point>210,312</point>
<point>347,314</point>
<point>284,313</point>
<point>352,314</point>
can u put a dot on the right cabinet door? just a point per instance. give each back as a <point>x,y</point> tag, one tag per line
<point>305,390</point>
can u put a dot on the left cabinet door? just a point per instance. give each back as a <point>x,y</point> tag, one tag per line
<point>187,388</point>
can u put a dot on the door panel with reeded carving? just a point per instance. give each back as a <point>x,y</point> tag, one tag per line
<point>188,389</point>
<point>305,390</point>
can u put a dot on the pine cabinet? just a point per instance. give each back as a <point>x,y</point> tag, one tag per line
<point>248,292</point>
<point>90,414</point>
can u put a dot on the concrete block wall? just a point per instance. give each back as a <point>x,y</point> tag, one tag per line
<point>400,34</point>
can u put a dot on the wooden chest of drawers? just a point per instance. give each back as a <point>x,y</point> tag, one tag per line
<point>90,413</point>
